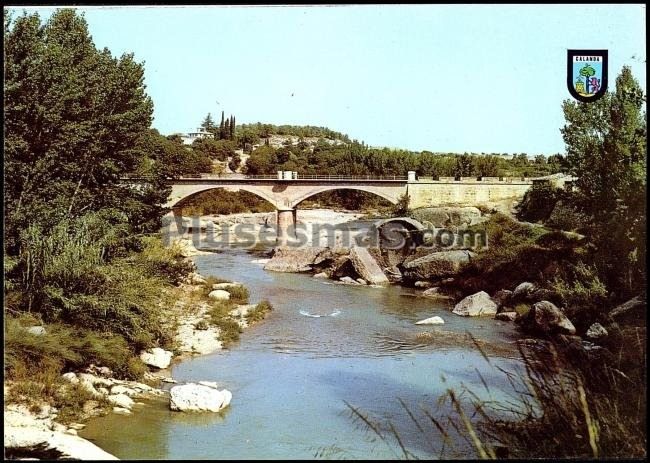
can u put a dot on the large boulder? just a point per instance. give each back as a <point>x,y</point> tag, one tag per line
<point>366,266</point>
<point>219,295</point>
<point>293,259</point>
<point>156,357</point>
<point>436,264</point>
<point>546,319</point>
<point>476,305</point>
<point>204,397</point>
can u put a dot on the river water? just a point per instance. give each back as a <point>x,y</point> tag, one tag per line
<point>291,375</point>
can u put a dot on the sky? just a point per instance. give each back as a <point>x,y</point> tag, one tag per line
<point>476,78</point>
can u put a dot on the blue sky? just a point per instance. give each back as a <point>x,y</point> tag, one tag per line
<point>483,78</point>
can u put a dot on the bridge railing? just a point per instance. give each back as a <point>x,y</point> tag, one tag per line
<point>298,177</point>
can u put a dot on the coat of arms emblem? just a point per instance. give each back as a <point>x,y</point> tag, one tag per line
<point>587,74</point>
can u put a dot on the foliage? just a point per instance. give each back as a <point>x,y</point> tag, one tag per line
<point>219,201</point>
<point>538,202</point>
<point>566,216</point>
<point>402,207</point>
<point>579,288</point>
<point>238,294</point>
<point>259,312</point>
<point>73,115</point>
<point>229,329</point>
<point>606,150</point>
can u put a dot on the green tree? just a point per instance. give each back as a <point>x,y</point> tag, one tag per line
<point>606,150</point>
<point>72,117</point>
<point>208,124</point>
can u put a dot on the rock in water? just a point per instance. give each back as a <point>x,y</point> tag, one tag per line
<point>366,266</point>
<point>219,295</point>
<point>596,331</point>
<point>431,321</point>
<point>435,293</point>
<point>198,397</point>
<point>321,275</point>
<point>293,259</point>
<point>349,280</point>
<point>121,400</point>
<point>506,316</point>
<point>475,305</point>
<point>156,357</point>
<point>545,318</point>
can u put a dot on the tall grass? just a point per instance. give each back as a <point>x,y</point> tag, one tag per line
<point>100,293</point>
<point>259,312</point>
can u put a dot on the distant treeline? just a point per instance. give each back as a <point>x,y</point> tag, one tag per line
<point>266,130</point>
<point>358,159</point>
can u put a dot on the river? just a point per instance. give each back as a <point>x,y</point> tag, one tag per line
<point>291,375</point>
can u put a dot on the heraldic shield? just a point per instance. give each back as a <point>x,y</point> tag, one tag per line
<point>587,74</point>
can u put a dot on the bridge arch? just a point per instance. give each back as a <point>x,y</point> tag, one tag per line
<point>180,195</point>
<point>322,189</point>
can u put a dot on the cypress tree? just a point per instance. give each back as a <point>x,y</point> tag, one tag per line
<point>226,130</point>
<point>232,128</point>
<point>222,127</point>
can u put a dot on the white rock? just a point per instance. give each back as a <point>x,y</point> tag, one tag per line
<point>36,330</point>
<point>121,400</point>
<point>70,446</point>
<point>95,380</point>
<point>168,380</point>
<point>361,281</point>
<point>348,280</point>
<point>431,321</point>
<point>70,377</point>
<point>475,305</point>
<point>102,390</point>
<point>219,295</point>
<point>596,331</point>
<point>196,279</point>
<point>211,384</point>
<point>70,431</point>
<point>123,390</point>
<point>226,286</point>
<point>156,357</point>
<point>321,275</point>
<point>198,397</point>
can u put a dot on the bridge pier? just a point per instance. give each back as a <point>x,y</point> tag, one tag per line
<point>286,226</point>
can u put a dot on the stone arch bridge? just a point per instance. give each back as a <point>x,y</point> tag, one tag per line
<point>287,190</point>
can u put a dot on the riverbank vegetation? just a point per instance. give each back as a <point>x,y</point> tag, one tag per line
<point>86,276</point>
<point>579,395</point>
